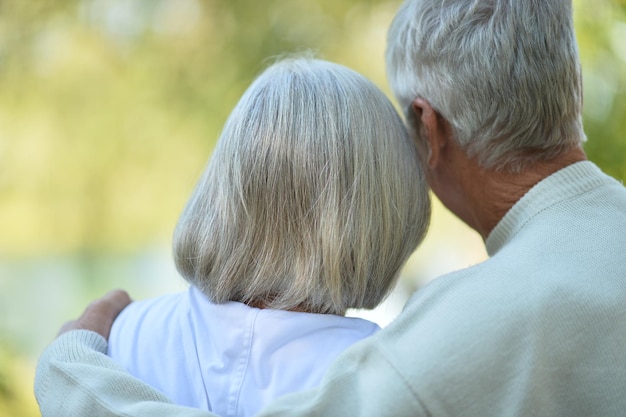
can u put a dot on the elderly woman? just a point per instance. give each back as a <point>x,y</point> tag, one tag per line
<point>310,205</point>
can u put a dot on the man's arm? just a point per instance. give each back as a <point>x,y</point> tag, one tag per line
<point>75,377</point>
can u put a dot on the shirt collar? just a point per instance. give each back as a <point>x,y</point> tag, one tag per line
<point>568,182</point>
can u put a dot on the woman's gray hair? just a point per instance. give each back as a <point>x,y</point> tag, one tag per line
<point>313,198</point>
<point>504,73</point>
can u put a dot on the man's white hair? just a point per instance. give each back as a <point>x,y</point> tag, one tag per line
<point>504,73</point>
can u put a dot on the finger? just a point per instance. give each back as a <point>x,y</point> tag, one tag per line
<point>100,314</point>
<point>116,301</point>
<point>70,325</point>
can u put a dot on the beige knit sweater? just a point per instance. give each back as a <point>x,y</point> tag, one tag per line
<point>539,329</point>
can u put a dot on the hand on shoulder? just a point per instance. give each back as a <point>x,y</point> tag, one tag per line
<point>100,314</point>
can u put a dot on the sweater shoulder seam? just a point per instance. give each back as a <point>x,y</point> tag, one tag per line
<point>405,381</point>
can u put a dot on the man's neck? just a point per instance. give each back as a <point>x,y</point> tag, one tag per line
<point>490,195</point>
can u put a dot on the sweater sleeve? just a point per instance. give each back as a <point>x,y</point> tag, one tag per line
<point>75,378</point>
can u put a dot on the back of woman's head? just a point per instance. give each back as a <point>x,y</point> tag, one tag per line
<point>313,198</point>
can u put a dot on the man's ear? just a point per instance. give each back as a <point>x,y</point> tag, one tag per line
<point>433,129</point>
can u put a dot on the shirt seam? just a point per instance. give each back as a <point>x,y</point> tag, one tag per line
<point>404,380</point>
<point>194,346</point>
<point>243,367</point>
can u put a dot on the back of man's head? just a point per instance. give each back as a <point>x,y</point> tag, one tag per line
<point>504,73</point>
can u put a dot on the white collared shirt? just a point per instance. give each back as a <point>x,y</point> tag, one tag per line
<point>228,358</point>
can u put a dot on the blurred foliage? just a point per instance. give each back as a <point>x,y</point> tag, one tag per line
<point>601,30</point>
<point>110,108</point>
<point>16,379</point>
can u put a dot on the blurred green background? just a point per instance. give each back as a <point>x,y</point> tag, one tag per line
<point>109,110</point>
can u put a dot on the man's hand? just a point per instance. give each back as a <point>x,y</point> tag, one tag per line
<point>100,314</point>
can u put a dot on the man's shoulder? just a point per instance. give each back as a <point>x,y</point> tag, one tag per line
<point>486,330</point>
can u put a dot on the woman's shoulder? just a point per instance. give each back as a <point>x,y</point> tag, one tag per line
<point>145,320</point>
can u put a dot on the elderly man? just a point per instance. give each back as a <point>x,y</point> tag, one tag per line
<point>492,94</point>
